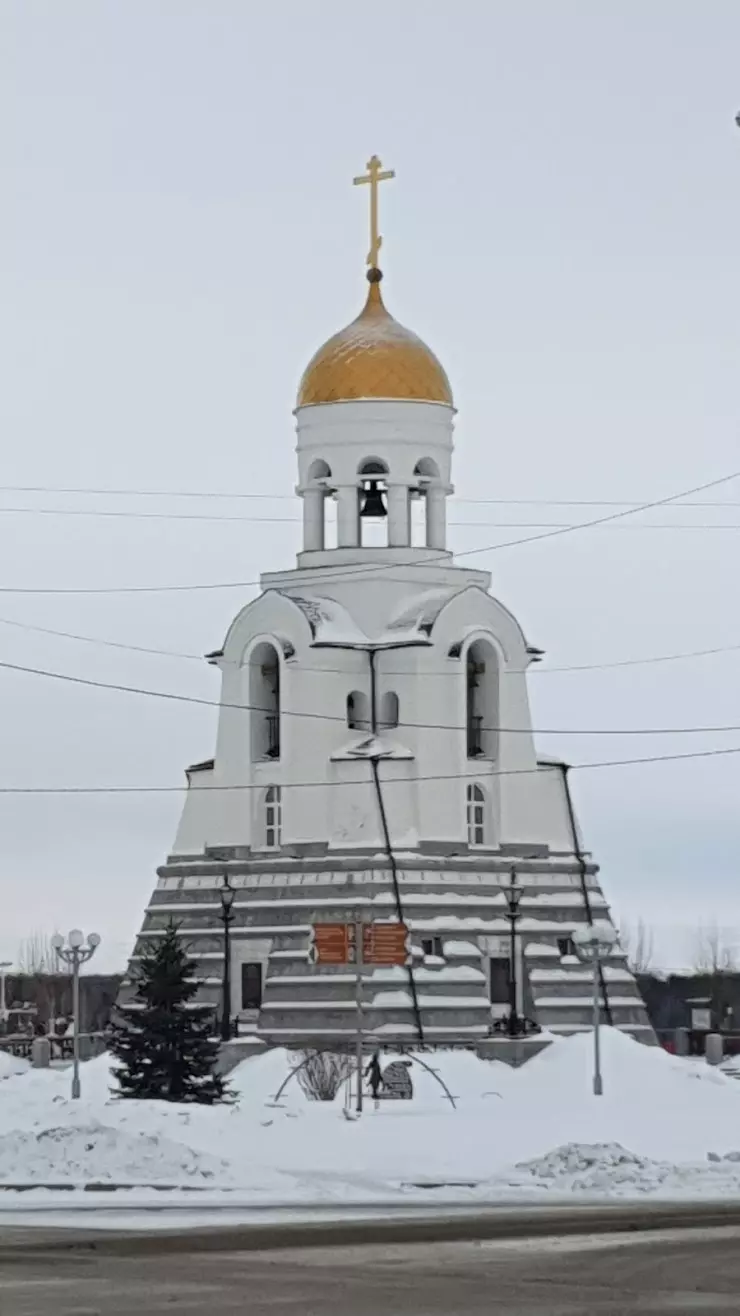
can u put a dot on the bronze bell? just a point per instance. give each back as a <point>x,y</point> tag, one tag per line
<point>372,503</point>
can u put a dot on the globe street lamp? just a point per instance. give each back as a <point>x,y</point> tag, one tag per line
<point>592,945</point>
<point>227,894</point>
<point>75,953</point>
<point>514,895</point>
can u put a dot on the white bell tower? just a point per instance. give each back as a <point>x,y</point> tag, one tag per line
<point>375,752</point>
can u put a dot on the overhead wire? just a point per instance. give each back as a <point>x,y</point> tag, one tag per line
<point>363,781</point>
<point>205,494</point>
<point>231,519</point>
<point>535,670</point>
<point>331,717</point>
<point>380,567</point>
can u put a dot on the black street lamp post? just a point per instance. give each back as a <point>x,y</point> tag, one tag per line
<point>514,895</point>
<point>227,894</point>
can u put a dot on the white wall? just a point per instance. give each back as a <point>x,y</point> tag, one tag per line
<point>325,800</point>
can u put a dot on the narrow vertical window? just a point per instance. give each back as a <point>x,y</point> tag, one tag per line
<point>388,711</point>
<point>476,814</point>
<point>273,817</point>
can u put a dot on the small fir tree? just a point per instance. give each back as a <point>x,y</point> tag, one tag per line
<point>165,1050</point>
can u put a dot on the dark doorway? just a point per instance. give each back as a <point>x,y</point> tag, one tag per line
<point>251,986</point>
<point>499,980</point>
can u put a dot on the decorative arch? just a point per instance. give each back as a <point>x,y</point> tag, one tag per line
<point>481,699</point>
<point>426,469</point>
<point>372,466</point>
<point>273,817</point>
<point>475,800</point>
<point>318,470</point>
<point>264,701</point>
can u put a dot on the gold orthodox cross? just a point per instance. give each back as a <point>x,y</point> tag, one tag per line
<point>375,174</point>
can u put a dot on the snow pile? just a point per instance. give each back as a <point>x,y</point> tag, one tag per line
<point>95,1153</point>
<point>599,1170</point>
<point>10,1064</point>
<point>655,1104</point>
<point>605,1168</point>
<point>664,1126</point>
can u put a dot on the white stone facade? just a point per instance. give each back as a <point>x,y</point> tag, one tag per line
<point>395,656</point>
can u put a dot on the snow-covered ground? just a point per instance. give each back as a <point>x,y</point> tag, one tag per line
<point>665,1127</point>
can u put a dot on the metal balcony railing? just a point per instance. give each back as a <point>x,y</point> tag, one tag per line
<point>475,737</point>
<point>273,735</point>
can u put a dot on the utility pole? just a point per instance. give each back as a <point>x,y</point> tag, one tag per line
<point>514,895</point>
<point>359,1019</point>
<point>226,895</point>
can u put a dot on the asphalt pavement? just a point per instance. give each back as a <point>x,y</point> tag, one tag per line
<point>658,1273</point>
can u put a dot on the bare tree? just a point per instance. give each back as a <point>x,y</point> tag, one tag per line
<point>638,943</point>
<point>45,975</point>
<point>37,955</point>
<point>323,1074</point>
<point>712,952</point>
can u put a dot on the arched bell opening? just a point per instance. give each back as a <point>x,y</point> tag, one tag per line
<point>428,512</point>
<point>264,702</point>
<point>482,700</point>
<point>372,503</point>
<point>319,510</point>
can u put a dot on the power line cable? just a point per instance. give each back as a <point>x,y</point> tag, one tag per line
<point>376,568</point>
<point>330,717</point>
<point>363,781</point>
<point>340,671</point>
<point>284,497</point>
<point>217,517</point>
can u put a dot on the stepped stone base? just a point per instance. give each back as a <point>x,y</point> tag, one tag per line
<point>455,909</point>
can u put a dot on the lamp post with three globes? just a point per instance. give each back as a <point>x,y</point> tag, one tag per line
<point>75,953</point>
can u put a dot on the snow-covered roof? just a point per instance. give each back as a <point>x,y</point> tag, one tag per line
<point>333,627</point>
<point>371,747</point>
<point>330,623</point>
<point>421,612</point>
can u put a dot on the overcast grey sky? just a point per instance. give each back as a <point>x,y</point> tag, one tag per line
<point>178,233</point>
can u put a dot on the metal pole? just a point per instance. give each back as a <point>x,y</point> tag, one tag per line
<point>3,1006</point>
<point>513,1018</point>
<point>75,1025</point>
<point>358,1001</point>
<point>226,1004</point>
<point>598,1086</point>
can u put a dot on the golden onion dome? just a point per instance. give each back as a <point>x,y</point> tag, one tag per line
<point>374,357</point>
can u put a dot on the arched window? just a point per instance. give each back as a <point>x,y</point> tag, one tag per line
<point>481,692</point>
<point>264,702</point>
<point>388,711</point>
<point>373,503</point>
<point>273,817</point>
<point>358,711</point>
<point>476,814</point>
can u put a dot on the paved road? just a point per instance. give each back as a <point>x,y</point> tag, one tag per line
<point>664,1274</point>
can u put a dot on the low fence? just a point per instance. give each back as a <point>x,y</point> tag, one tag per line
<point>91,1044</point>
